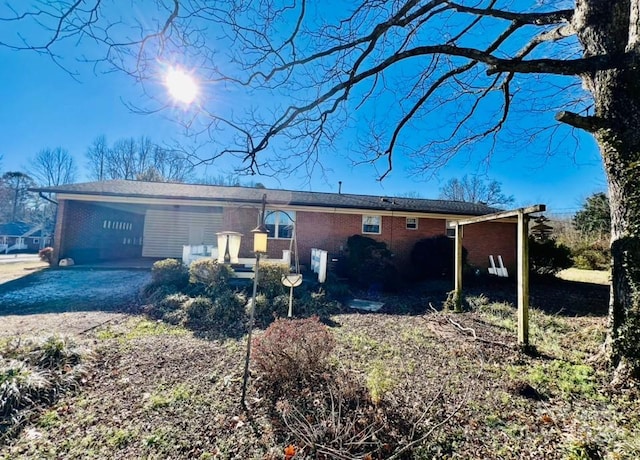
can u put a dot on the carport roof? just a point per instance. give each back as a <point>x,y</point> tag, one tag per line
<point>247,195</point>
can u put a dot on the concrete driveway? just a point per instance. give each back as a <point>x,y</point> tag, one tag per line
<point>74,289</point>
<point>55,300</point>
<point>15,258</point>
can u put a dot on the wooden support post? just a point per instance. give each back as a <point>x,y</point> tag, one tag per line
<point>458,269</point>
<point>523,279</point>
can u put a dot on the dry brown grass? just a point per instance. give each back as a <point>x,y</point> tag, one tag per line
<point>12,271</point>
<point>586,276</point>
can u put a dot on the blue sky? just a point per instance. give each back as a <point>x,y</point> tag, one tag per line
<point>43,107</point>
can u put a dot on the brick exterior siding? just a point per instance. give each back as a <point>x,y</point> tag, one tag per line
<point>330,231</point>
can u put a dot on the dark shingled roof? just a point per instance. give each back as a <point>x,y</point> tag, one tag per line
<point>140,189</point>
<point>15,228</point>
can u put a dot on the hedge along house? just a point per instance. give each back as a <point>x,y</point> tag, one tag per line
<point>100,221</point>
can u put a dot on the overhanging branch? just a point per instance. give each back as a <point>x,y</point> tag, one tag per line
<point>587,123</point>
<point>539,19</point>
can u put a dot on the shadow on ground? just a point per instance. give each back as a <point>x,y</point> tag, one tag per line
<point>551,295</point>
<point>554,296</point>
<point>70,290</point>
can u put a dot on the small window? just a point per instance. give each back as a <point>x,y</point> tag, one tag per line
<point>36,241</point>
<point>412,223</point>
<point>372,224</point>
<point>280,224</point>
<point>451,228</point>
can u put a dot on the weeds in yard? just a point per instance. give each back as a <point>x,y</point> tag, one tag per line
<point>119,438</point>
<point>145,328</point>
<point>569,380</point>
<point>49,419</point>
<point>164,397</point>
<point>33,374</point>
<point>379,381</point>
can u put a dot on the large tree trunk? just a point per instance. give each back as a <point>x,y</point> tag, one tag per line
<point>611,27</point>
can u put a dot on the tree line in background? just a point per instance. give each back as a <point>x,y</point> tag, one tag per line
<point>127,158</point>
<point>137,159</point>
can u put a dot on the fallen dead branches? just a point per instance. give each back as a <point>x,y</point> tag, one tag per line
<point>468,331</point>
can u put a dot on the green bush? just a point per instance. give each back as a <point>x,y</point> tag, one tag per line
<point>270,279</point>
<point>592,257</point>
<point>548,257</point>
<point>197,311</point>
<point>268,309</point>
<point>165,301</point>
<point>290,351</point>
<point>211,274</point>
<point>308,303</point>
<point>369,264</point>
<point>225,312</point>
<point>154,294</point>
<point>434,257</point>
<point>169,271</point>
<point>228,310</point>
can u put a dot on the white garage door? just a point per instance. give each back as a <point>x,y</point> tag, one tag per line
<point>166,231</point>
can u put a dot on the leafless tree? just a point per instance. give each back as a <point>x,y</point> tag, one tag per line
<point>474,189</point>
<point>137,159</point>
<point>15,185</point>
<point>53,167</point>
<point>432,78</point>
<point>97,158</point>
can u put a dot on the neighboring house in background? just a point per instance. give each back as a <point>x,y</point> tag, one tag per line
<point>131,219</point>
<point>20,236</point>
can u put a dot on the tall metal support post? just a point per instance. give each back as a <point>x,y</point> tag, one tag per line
<point>458,268</point>
<point>259,230</point>
<point>523,278</point>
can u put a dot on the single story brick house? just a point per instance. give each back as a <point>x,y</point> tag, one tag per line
<point>121,219</point>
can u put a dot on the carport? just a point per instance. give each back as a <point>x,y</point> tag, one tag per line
<point>522,215</point>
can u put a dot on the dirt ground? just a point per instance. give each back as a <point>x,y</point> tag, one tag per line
<point>36,300</point>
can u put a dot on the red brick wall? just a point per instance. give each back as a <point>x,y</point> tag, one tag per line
<point>243,220</point>
<point>330,231</point>
<point>491,238</point>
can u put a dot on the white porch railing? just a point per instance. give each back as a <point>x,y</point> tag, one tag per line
<point>199,251</point>
<point>191,253</point>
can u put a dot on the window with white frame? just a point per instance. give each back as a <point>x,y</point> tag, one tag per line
<point>412,223</point>
<point>372,224</point>
<point>280,224</point>
<point>450,229</point>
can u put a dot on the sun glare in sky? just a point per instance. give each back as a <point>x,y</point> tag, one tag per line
<point>181,86</point>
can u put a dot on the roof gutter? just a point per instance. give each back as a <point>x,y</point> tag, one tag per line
<point>41,194</point>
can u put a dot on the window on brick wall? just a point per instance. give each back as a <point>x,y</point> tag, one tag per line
<point>412,223</point>
<point>450,228</point>
<point>280,224</point>
<point>372,224</point>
